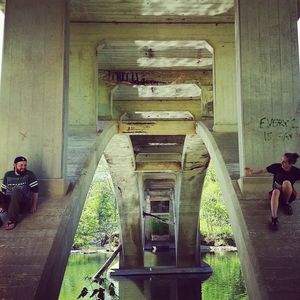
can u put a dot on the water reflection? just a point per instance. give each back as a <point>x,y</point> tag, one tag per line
<point>161,288</point>
<point>225,283</point>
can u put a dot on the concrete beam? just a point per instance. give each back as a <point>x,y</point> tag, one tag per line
<point>158,157</point>
<point>123,106</point>
<point>158,167</point>
<point>156,77</point>
<point>161,149</point>
<point>157,127</point>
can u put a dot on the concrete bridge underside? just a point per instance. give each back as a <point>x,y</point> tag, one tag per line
<point>159,91</point>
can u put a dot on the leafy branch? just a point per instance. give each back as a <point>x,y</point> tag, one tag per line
<point>103,288</point>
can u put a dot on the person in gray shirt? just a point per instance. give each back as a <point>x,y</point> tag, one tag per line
<point>19,192</point>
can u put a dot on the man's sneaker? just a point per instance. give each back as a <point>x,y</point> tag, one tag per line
<point>274,224</point>
<point>288,209</point>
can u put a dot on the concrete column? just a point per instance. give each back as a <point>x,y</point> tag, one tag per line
<point>34,86</point>
<point>225,111</point>
<point>120,159</point>
<point>193,174</point>
<point>83,87</point>
<point>268,81</point>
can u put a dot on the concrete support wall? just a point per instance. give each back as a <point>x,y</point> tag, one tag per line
<point>83,86</point>
<point>34,86</point>
<point>104,100</point>
<point>120,158</point>
<point>225,111</point>
<point>268,81</point>
<point>192,179</point>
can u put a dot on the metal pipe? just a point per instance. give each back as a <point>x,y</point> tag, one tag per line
<point>108,262</point>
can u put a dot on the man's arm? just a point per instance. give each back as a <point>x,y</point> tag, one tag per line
<point>34,201</point>
<point>4,184</point>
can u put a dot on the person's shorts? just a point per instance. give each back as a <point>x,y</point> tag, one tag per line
<point>292,198</point>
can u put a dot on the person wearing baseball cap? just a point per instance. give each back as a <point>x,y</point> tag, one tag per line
<point>19,192</point>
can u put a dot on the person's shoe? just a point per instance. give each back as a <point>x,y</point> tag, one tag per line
<point>10,225</point>
<point>274,224</point>
<point>288,209</point>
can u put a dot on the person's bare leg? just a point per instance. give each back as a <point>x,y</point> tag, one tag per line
<point>275,202</point>
<point>287,190</point>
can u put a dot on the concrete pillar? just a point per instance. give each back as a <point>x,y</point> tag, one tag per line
<point>193,174</point>
<point>34,86</point>
<point>83,87</point>
<point>267,81</point>
<point>120,159</point>
<point>225,111</point>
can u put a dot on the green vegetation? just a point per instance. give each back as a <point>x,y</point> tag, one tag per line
<point>226,281</point>
<point>100,221</point>
<point>159,228</point>
<point>214,222</point>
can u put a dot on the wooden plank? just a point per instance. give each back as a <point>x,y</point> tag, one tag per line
<point>158,167</point>
<point>157,127</point>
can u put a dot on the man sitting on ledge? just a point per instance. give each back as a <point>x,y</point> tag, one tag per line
<point>19,192</point>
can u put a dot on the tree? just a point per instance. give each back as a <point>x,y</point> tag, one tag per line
<point>214,221</point>
<point>99,218</point>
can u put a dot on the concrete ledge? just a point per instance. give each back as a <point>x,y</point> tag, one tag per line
<point>204,269</point>
<point>52,187</point>
<point>79,129</point>
<point>225,128</point>
<point>257,187</point>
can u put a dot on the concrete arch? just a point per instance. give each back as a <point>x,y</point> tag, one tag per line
<point>55,252</point>
<point>255,287</point>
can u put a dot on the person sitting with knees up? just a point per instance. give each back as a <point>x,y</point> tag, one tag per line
<point>284,177</point>
<point>19,192</point>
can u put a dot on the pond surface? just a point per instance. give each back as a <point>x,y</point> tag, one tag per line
<point>226,282</point>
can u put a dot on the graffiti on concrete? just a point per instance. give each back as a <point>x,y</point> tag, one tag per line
<point>279,128</point>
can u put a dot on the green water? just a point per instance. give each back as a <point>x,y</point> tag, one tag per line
<point>226,282</point>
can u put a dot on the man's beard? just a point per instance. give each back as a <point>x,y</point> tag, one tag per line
<point>21,172</point>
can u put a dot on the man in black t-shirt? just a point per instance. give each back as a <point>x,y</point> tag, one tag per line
<point>284,177</point>
<point>19,192</point>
